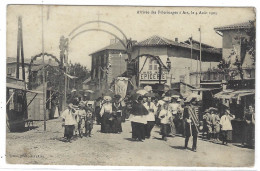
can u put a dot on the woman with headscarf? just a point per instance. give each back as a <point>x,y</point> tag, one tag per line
<point>138,119</point>
<point>106,114</point>
<point>226,126</point>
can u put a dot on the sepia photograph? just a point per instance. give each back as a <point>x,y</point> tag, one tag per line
<point>130,85</point>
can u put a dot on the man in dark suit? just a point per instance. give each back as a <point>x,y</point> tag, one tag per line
<point>191,124</point>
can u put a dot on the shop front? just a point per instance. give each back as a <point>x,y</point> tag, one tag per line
<point>238,101</point>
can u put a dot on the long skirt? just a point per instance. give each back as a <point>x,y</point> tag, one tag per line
<point>68,133</point>
<point>56,113</point>
<point>227,135</point>
<point>118,124</point>
<point>138,130</point>
<point>148,128</point>
<point>106,123</point>
<point>165,129</point>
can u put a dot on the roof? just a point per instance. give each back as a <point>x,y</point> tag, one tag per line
<point>10,60</point>
<point>161,41</point>
<point>20,87</point>
<point>116,46</point>
<point>39,67</point>
<point>203,45</point>
<point>244,25</point>
<point>156,40</point>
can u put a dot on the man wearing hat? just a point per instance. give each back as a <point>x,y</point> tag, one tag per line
<point>69,122</point>
<point>191,124</point>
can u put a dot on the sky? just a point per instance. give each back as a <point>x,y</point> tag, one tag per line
<point>138,23</point>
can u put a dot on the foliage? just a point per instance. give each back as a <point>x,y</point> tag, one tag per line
<point>81,72</point>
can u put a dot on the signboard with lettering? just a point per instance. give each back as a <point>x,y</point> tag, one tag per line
<point>152,75</point>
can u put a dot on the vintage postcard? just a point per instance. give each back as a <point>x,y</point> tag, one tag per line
<point>130,86</point>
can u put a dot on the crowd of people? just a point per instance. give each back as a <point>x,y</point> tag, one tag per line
<point>173,114</point>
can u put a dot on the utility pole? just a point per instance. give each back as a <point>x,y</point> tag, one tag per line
<point>200,51</point>
<point>191,53</point>
<point>43,74</point>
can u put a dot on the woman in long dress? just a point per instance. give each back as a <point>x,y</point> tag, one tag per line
<point>117,112</point>
<point>226,126</point>
<point>138,119</point>
<point>106,114</point>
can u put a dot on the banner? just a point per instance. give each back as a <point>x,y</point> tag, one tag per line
<point>121,86</point>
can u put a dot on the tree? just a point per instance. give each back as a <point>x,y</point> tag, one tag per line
<point>81,72</point>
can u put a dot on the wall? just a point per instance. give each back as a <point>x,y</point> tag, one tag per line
<point>149,71</point>
<point>118,65</point>
<point>229,43</point>
<point>11,71</point>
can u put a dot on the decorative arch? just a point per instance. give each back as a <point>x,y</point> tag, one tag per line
<point>33,59</point>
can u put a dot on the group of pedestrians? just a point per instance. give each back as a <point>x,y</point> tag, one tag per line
<point>111,113</point>
<point>214,125</point>
<point>169,111</point>
<point>172,114</point>
<point>77,120</point>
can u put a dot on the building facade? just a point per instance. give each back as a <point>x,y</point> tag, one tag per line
<point>107,64</point>
<point>183,59</point>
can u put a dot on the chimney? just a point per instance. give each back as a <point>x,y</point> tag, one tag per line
<point>176,39</point>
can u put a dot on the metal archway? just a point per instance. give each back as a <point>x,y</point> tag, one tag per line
<point>99,21</point>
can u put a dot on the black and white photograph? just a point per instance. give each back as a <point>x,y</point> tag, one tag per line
<point>130,85</point>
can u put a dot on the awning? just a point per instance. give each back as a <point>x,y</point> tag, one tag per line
<point>19,87</point>
<point>205,89</point>
<point>234,94</point>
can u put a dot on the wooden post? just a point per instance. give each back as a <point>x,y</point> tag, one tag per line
<point>18,47</point>
<point>43,74</point>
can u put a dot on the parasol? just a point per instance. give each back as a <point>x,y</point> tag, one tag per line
<point>148,88</point>
<point>142,92</point>
<point>172,93</point>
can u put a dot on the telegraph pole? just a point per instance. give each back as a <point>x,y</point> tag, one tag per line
<point>43,74</point>
<point>191,53</point>
<point>200,51</point>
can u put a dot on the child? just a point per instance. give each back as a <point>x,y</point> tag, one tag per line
<point>89,122</point>
<point>69,122</point>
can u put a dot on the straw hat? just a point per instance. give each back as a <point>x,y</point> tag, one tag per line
<point>167,99</point>
<point>107,98</point>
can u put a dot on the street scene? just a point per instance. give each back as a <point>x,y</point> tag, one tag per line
<point>130,86</point>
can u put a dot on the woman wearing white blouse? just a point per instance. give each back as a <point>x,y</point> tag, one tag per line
<point>105,113</point>
<point>226,126</point>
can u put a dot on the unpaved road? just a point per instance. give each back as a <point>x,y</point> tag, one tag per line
<point>47,148</point>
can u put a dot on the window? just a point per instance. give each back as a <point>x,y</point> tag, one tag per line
<point>153,65</point>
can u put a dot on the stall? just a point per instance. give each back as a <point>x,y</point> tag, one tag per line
<point>17,107</point>
<point>238,102</point>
